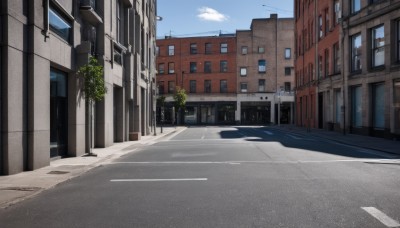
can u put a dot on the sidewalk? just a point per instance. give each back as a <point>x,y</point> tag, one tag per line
<point>15,188</point>
<point>367,142</point>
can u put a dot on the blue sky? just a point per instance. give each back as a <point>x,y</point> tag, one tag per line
<point>207,17</point>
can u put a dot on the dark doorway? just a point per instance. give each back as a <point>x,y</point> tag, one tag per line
<point>320,110</point>
<point>58,113</point>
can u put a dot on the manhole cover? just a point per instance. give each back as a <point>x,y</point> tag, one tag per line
<point>57,172</point>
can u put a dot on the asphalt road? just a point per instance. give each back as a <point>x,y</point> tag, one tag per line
<point>226,177</point>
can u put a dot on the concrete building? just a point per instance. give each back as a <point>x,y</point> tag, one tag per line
<point>206,68</point>
<point>265,72</point>
<point>43,44</point>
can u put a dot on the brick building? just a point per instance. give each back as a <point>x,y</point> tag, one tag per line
<point>206,68</point>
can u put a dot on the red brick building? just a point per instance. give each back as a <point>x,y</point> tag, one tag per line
<point>206,68</point>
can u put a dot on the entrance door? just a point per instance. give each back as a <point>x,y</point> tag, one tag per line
<point>58,113</point>
<point>320,110</point>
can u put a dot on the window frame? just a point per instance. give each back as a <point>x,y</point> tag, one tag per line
<point>244,50</point>
<point>336,58</point>
<point>171,50</point>
<point>208,48</point>
<point>207,86</point>
<point>288,53</point>
<point>62,19</point>
<point>171,67</point>
<point>288,71</point>
<point>161,68</point>
<point>193,67</point>
<point>243,87</point>
<point>355,56</point>
<point>224,48</point>
<point>353,8</point>
<point>262,68</point>
<point>261,85</point>
<point>375,48</point>
<point>207,67</point>
<point>192,86</point>
<point>223,86</point>
<point>223,66</point>
<point>243,71</point>
<point>193,48</point>
<point>261,49</point>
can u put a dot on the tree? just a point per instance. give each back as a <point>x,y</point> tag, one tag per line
<point>94,90</point>
<point>180,99</point>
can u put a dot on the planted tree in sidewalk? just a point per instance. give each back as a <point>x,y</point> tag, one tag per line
<point>180,101</point>
<point>94,89</point>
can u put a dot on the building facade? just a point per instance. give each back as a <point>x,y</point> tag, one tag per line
<point>205,67</point>
<point>347,60</point>
<point>43,44</point>
<point>265,72</point>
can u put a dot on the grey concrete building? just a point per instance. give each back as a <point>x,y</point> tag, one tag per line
<point>42,45</point>
<point>265,77</point>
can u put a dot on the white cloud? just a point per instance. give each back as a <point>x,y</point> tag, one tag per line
<point>209,14</point>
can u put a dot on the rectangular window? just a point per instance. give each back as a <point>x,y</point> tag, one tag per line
<point>193,67</point>
<point>355,6</point>
<point>378,46</point>
<point>244,50</point>
<point>243,71</point>
<point>171,50</point>
<point>288,53</point>
<point>261,85</point>
<point>262,66</point>
<point>193,49</point>
<point>288,71</point>
<point>336,58</point>
<point>356,53</point>
<point>157,51</point>
<point>287,87</point>
<point>356,106</point>
<point>326,62</point>
<point>207,86</point>
<point>117,55</point>
<point>207,67</point>
<point>192,86</point>
<point>327,21</point>
<point>224,48</point>
<point>243,87</point>
<point>337,13</point>
<point>119,20</point>
<point>261,50</point>
<point>320,66</point>
<point>223,86</point>
<point>398,41</point>
<point>161,68</point>
<point>223,66</point>
<point>321,31</point>
<point>161,87</point>
<point>171,86</point>
<point>208,48</point>
<point>171,68</point>
<point>59,24</point>
<point>378,105</point>
<point>338,105</point>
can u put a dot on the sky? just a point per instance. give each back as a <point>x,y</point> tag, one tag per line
<point>183,18</point>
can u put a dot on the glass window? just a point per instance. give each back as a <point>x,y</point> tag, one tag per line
<point>171,50</point>
<point>320,66</point>
<point>338,105</point>
<point>261,50</point>
<point>161,68</point>
<point>336,58</point>
<point>157,51</point>
<point>59,24</point>
<point>326,21</point>
<point>193,49</point>
<point>171,86</point>
<point>321,31</point>
<point>378,105</point>
<point>224,48</point>
<point>243,87</point>
<point>356,107</point>
<point>288,71</point>
<point>207,67</point>
<point>261,85</point>
<point>244,50</point>
<point>378,46</point>
<point>193,67</point>
<point>160,87</point>
<point>117,55</point>
<point>118,19</point>
<point>288,53</point>
<point>223,86</point>
<point>224,66</point>
<point>337,12</point>
<point>171,68</point>
<point>398,41</point>
<point>355,6</point>
<point>192,88</point>
<point>356,52</point>
<point>243,71</point>
<point>288,87</point>
<point>262,66</point>
<point>207,86</point>
<point>208,48</point>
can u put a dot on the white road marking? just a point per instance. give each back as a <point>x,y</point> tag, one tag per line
<point>382,217</point>
<point>268,133</point>
<point>294,137</point>
<point>158,180</point>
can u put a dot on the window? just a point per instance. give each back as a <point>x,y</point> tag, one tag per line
<point>244,50</point>
<point>192,88</point>
<point>207,67</point>
<point>224,48</point>
<point>356,108</point>
<point>338,105</point>
<point>356,53</point>
<point>321,31</point>
<point>355,6</point>
<point>243,71</point>
<point>326,20</point>
<point>59,24</point>
<point>397,41</point>
<point>193,67</point>
<point>243,87</point>
<point>118,19</point>
<point>261,85</point>
<point>171,50</point>
<point>171,86</point>
<point>288,87</point>
<point>337,13</point>
<point>326,62</point>
<point>378,46</point>
<point>160,87</point>
<point>288,71</point>
<point>208,48</point>
<point>157,51</point>
<point>288,53</point>
<point>261,66</point>
<point>223,66</point>
<point>207,86</point>
<point>193,49</point>
<point>320,66</point>
<point>378,105</point>
<point>336,58</point>
<point>261,50</point>
<point>171,68</point>
<point>117,55</point>
<point>223,86</point>
<point>161,68</point>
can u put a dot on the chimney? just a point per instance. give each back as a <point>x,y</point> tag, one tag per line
<point>273,16</point>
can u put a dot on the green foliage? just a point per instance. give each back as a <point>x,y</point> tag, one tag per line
<point>180,98</point>
<point>92,73</point>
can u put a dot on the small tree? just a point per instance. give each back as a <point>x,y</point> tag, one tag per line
<point>180,99</point>
<point>94,90</point>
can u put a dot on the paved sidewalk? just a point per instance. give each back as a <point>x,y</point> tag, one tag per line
<point>15,188</point>
<point>380,144</point>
